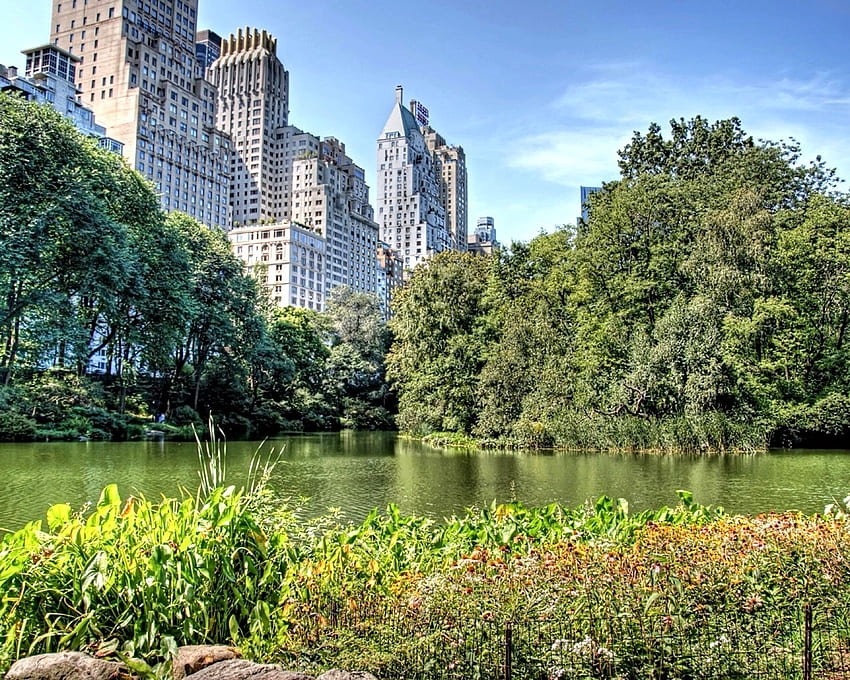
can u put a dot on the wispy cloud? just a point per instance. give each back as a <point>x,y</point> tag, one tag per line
<point>570,157</point>
<point>580,132</point>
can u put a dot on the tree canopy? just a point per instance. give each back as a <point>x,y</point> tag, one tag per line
<point>93,269</point>
<point>704,303</point>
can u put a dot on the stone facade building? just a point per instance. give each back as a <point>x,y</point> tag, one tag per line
<point>49,78</point>
<point>138,72</point>
<point>411,213</point>
<point>287,258</point>
<point>450,166</point>
<point>483,240</point>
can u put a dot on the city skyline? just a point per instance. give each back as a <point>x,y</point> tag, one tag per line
<point>541,99</point>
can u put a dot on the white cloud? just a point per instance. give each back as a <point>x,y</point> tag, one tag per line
<point>584,127</point>
<point>570,157</point>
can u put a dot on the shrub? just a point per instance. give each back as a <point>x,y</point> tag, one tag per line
<point>186,415</point>
<point>16,427</point>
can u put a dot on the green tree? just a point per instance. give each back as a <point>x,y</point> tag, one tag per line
<point>355,381</point>
<point>63,205</point>
<point>219,315</point>
<point>440,343</point>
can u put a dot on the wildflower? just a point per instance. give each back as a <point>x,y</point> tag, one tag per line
<point>721,641</point>
<point>560,643</point>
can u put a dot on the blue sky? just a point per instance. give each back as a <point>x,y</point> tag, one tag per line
<point>542,94</point>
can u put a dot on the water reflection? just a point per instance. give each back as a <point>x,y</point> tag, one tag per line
<point>359,471</point>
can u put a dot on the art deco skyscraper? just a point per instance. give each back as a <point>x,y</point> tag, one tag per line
<point>450,166</point>
<point>139,74</point>
<point>291,178</point>
<point>253,102</point>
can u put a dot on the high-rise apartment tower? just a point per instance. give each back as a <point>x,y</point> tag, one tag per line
<point>450,168</point>
<point>139,73</point>
<point>253,102</point>
<point>411,213</point>
<point>290,178</point>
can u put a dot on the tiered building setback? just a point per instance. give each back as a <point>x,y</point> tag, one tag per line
<point>450,166</point>
<point>50,78</point>
<point>253,103</point>
<point>289,178</point>
<point>411,214</point>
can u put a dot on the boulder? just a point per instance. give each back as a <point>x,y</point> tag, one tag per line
<point>192,658</point>
<point>240,669</point>
<point>66,666</point>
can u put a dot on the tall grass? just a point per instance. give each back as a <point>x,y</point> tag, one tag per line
<point>705,432</point>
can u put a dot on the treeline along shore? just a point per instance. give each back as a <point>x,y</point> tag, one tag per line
<point>703,305</point>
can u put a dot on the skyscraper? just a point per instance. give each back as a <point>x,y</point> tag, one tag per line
<point>483,240</point>
<point>586,193</point>
<point>50,78</point>
<point>291,178</point>
<point>411,213</point>
<point>450,167</point>
<point>207,48</point>
<point>253,103</point>
<point>138,72</point>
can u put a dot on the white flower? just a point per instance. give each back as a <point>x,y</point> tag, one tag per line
<point>722,640</point>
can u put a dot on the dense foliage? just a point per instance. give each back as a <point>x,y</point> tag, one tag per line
<point>404,596</point>
<point>92,269</point>
<point>704,304</point>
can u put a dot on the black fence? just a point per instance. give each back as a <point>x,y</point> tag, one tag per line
<point>807,642</point>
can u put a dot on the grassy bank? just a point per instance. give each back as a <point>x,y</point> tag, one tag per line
<point>582,587</point>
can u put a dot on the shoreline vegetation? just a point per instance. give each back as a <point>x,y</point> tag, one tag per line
<point>595,590</point>
<point>625,435</point>
<point>703,305</point>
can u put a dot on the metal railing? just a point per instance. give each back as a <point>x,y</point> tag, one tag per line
<point>806,642</point>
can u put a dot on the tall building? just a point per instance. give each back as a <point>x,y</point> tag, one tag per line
<point>138,72</point>
<point>253,103</point>
<point>207,48</point>
<point>586,193</point>
<point>450,166</point>
<point>411,213</point>
<point>283,175</point>
<point>390,276</point>
<point>49,78</point>
<point>330,194</point>
<point>287,258</point>
<point>485,229</point>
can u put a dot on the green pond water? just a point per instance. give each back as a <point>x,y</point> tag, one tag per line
<point>358,471</point>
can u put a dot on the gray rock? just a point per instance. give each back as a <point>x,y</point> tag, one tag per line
<point>337,674</point>
<point>66,666</point>
<point>240,669</point>
<point>192,658</point>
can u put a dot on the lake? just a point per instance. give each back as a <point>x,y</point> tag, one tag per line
<point>356,471</point>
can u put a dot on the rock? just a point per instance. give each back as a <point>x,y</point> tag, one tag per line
<point>66,666</point>
<point>193,658</point>
<point>239,669</point>
<point>337,674</point>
